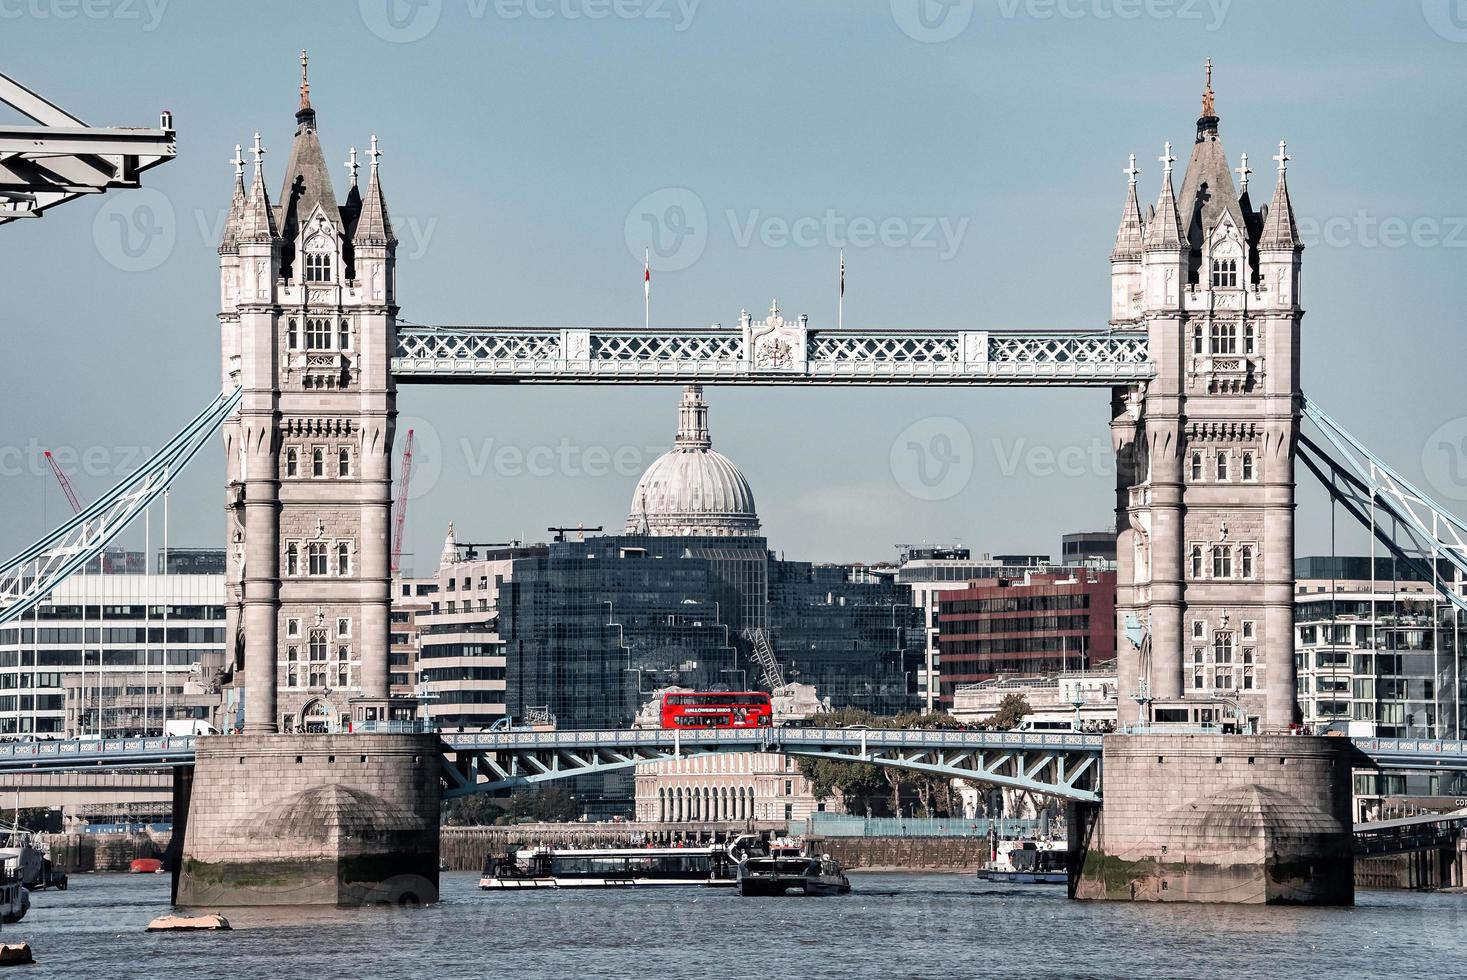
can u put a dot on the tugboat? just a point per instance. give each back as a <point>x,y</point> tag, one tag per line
<point>784,868</point>
<point>621,867</point>
<point>1028,862</point>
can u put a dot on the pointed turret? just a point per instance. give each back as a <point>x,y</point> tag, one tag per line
<point>1280,232</point>
<point>373,225</point>
<point>1130,237</point>
<point>228,241</point>
<point>1207,187</point>
<point>257,219</point>
<point>1164,231</point>
<point>692,420</point>
<point>307,181</point>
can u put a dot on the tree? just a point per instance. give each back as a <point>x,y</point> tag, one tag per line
<point>476,810</point>
<point>551,802</point>
<point>1011,711</point>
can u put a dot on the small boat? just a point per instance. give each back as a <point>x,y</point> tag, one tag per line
<point>618,867</point>
<point>15,900</point>
<point>145,866</point>
<point>31,857</point>
<point>784,868</point>
<point>1028,862</point>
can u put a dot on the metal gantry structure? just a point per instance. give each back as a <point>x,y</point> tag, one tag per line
<point>63,158</point>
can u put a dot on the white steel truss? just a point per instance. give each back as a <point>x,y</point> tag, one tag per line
<point>29,577</point>
<point>770,351</point>
<point>64,158</point>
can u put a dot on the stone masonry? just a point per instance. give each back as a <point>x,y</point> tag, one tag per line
<point>312,820</point>
<point>1218,818</point>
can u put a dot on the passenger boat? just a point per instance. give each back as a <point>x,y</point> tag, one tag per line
<point>1028,862</point>
<point>15,901</point>
<point>622,867</point>
<point>782,869</point>
<point>31,858</point>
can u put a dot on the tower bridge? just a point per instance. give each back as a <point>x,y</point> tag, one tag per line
<point>1201,351</point>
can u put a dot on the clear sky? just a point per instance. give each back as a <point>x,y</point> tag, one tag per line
<point>522,139</point>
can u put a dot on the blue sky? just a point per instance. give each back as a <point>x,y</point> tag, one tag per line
<point>522,139</point>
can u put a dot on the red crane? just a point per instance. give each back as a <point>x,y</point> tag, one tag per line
<point>399,515</point>
<point>76,506</point>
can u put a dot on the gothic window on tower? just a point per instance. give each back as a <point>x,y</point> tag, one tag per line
<point>292,462</point>
<point>1249,342</point>
<point>344,335</point>
<point>1247,467</point>
<point>292,559</point>
<point>292,335</point>
<point>1196,467</point>
<point>1225,273</point>
<point>292,679</point>
<point>1245,561</point>
<point>343,558</point>
<point>316,558</point>
<point>318,462</point>
<point>343,462</point>
<point>318,333</point>
<point>292,627</point>
<point>1225,338</point>
<point>343,627</point>
<point>1222,561</point>
<point>1222,466</point>
<point>1197,338</point>
<point>1222,647</point>
<point>318,267</point>
<point>1197,561</point>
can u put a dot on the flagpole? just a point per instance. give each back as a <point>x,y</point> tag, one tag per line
<point>840,304</point>
<point>646,289</point>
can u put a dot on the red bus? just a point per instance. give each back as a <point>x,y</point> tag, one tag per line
<point>717,709</point>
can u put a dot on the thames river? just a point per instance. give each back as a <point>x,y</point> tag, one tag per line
<point>946,926</point>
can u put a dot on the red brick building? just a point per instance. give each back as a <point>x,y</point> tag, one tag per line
<point>1041,623</point>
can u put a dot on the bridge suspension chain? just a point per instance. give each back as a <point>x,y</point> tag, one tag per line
<point>1362,482</point>
<point>30,576</point>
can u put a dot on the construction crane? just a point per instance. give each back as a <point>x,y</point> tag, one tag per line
<point>399,512</point>
<point>580,529</point>
<point>76,507</point>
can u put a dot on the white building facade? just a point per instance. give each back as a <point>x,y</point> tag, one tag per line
<point>736,787</point>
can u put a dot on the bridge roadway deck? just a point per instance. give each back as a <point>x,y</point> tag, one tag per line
<point>1065,764</point>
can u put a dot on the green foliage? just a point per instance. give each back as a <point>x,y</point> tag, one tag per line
<point>550,802</point>
<point>1011,711</point>
<point>877,788</point>
<point>476,810</point>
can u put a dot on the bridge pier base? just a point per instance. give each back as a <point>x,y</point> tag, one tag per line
<point>312,820</point>
<point>1219,818</point>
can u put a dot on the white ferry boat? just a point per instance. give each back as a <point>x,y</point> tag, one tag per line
<point>620,867</point>
<point>1028,862</point>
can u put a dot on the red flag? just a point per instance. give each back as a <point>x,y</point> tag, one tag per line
<point>647,275</point>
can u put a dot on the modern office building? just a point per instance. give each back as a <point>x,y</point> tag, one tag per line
<point>1088,548</point>
<point>1037,623</point>
<point>100,648</point>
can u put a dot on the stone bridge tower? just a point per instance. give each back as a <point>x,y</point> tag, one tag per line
<point>308,312</point>
<point>1205,488</point>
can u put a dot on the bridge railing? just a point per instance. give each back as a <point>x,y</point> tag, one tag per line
<point>88,747</point>
<point>772,737</point>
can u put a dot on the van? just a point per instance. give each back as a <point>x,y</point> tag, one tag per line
<point>188,726</point>
<point>1032,724</point>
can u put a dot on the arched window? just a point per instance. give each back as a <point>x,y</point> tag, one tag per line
<point>343,558</point>
<point>318,462</point>
<point>316,558</point>
<point>344,335</point>
<point>292,335</point>
<point>343,462</point>
<point>1247,466</point>
<point>1222,466</point>
<point>1245,561</point>
<point>1222,561</point>
<point>292,462</point>
<point>292,559</point>
<point>1225,273</point>
<point>318,333</point>
<point>292,677</point>
<point>1196,466</point>
<point>318,267</point>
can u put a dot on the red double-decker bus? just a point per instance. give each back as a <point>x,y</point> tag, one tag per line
<point>717,709</point>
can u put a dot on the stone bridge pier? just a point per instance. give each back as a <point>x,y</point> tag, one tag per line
<point>1218,818</point>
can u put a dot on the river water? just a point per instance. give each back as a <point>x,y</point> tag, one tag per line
<point>933,925</point>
